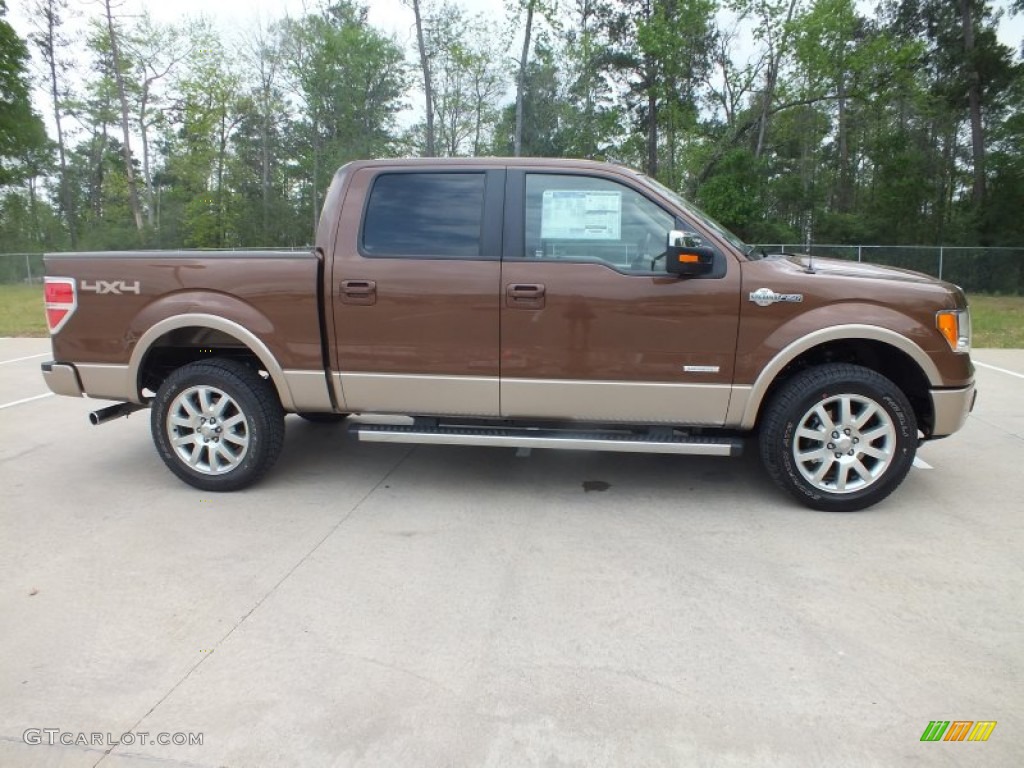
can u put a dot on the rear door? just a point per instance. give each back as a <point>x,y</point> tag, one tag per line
<point>416,282</point>
<point>592,326</point>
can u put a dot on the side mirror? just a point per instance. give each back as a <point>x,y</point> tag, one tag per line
<point>685,255</point>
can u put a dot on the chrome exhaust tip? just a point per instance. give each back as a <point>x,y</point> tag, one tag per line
<point>103,415</point>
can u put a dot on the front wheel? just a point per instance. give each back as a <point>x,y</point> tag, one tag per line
<point>217,425</point>
<point>838,437</point>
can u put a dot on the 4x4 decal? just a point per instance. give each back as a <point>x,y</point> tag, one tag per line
<point>116,287</point>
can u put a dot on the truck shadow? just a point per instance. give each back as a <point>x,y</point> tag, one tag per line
<point>467,474</point>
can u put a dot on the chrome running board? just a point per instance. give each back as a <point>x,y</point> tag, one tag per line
<point>622,442</point>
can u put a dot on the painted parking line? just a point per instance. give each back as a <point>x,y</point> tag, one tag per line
<point>25,400</point>
<point>1001,370</point>
<point>921,463</point>
<point>27,357</point>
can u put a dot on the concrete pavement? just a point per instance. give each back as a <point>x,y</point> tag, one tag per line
<point>382,605</point>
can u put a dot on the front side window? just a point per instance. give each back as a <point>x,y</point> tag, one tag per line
<point>585,218</point>
<point>425,215</point>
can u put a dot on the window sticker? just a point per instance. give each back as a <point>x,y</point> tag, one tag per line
<point>569,214</point>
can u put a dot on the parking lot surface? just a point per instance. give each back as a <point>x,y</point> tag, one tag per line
<point>384,605</point>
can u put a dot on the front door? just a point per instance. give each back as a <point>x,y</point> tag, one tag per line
<point>592,326</point>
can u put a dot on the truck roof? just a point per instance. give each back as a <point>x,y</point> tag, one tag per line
<point>550,162</point>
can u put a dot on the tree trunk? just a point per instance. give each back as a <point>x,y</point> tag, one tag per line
<point>843,197</point>
<point>96,193</point>
<point>265,172</point>
<point>771,81</point>
<point>146,175</point>
<point>427,86</point>
<point>67,200</point>
<point>221,152</point>
<point>517,142</point>
<point>974,104</point>
<point>652,133</point>
<point>126,149</point>
<point>316,173</point>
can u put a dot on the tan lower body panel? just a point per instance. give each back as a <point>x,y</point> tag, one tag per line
<point>309,390</point>
<point>625,402</point>
<point>951,409</point>
<point>738,406</point>
<point>62,379</point>
<point>475,396</point>
<point>107,382</point>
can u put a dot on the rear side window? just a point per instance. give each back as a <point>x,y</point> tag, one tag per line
<point>425,215</point>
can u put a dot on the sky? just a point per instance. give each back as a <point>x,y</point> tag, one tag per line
<point>392,16</point>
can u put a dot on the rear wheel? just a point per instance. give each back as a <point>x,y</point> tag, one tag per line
<point>839,437</point>
<point>217,425</point>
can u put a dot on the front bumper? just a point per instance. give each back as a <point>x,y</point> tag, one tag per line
<point>951,407</point>
<point>62,379</point>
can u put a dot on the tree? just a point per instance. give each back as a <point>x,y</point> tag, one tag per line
<point>662,52</point>
<point>209,107</point>
<point>351,80</point>
<point>51,42</point>
<point>22,135</point>
<point>117,70</point>
<point>591,112</point>
<point>427,83</point>
<point>155,52</point>
<point>546,9</point>
<point>259,171</point>
<point>517,143</point>
<point>467,81</point>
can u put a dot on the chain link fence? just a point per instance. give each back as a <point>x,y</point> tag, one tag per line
<point>976,270</point>
<point>24,268</point>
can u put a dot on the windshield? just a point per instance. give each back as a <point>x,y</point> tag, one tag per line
<point>697,213</point>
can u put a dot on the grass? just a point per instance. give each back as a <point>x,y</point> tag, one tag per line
<point>998,320</point>
<point>21,310</point>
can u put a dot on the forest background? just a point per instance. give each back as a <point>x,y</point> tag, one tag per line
<point>790,121</point>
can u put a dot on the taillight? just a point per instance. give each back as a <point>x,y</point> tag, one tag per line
<point>60,300</point>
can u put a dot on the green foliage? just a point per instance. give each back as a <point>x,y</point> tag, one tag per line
<point>24,148</point>
<point>824,123</point>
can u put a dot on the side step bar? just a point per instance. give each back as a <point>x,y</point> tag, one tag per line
<point>623,442</point>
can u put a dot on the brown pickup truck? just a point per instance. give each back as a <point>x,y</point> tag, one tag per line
<point>519,303</point>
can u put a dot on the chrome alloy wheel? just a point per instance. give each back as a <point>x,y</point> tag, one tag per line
<point>207,430</point>
<point>844,443</point>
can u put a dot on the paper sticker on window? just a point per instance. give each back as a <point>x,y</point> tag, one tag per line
<point>581,215</point>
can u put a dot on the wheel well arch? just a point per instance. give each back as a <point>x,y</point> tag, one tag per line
<point>893,363</point>
<point>181,340</point>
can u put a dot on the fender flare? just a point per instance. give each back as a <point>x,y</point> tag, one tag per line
<point>755,396</point>
<point>216,323</point>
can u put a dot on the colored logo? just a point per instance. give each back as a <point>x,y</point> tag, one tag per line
<point>958,730</point>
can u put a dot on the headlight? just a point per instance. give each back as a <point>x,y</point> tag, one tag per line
<point>955,327</point>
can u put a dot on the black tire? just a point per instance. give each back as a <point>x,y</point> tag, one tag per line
<point>875,447</point>
<point>322,418</point>
<point>235,451</point>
